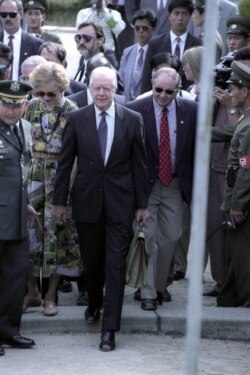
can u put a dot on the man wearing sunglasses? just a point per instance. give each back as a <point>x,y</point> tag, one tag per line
<point>23,44</point>
<point>170,123</point>
<point>89,41</point>
<point>132,60</point>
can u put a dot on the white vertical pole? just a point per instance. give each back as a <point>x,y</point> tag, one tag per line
<point>200,191</point>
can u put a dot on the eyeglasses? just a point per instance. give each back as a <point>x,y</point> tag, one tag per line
<point>10,14</point>
<point>143,27</point>
<point>106,89</point>
<point>159,90</point>
<point>86,38</point>
<point>48,94</point>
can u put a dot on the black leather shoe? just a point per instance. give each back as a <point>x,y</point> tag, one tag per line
<point>65,286</point>
<point>159,298</point>
<point>149,304</point>
<point>211,293</point>
<point>137,295</point>
<point>107,341</point>
<point>166,296</point>
<point>2,351</point>
<point>18,342</point>
<point>92,317</point>
<point>179,275</point>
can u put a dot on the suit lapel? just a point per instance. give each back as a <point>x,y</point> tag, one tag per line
<point>182,129</point>
<point>91,134</point>
<point>150,126</point>
<point>120,126</point>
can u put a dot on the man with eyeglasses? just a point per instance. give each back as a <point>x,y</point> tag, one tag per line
<point>22,44</point>
<point>170,123</point>
<point>176,41</point>
<point>15,212</point>
<point>132,60</point>
<point>89,41</point>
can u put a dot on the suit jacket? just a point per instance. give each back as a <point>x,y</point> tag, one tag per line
<point>81,98</point>
<point>186,111</point>
<point>29,46</point>
<point>120,185</point>
<point>14,168</point>
<point>126,70</point>
<point>162,43</point>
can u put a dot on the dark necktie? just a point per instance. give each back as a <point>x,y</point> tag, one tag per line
<point>137,74</point>
<point>10,45</point>
<point>165,165</point>
<point>177,51</point>
<point>103,133</point>
<point>17,135</point>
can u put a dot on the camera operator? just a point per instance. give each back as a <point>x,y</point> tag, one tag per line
<point>225,113</point>
<point>236,289</point>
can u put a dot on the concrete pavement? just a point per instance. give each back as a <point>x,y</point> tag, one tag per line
<point>217,323</point>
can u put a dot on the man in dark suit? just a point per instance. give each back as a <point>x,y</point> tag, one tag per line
<point>108,192</point>
<point>15,149</point>
<point>176,41</point>
<point>170,123</point>
<point>23,44</point>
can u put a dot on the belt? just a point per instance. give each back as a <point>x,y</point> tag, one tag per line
<point>44,155</point>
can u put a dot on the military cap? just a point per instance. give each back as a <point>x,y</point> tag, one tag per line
<point>240,75</point>
<point>40,5</point>
<point>14,92</point>
<point>238,25</point>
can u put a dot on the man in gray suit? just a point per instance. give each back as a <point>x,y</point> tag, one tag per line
<point>132,60</point>
<point>15,145</point>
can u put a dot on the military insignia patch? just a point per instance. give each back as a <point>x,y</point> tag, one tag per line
<point>15,86</point>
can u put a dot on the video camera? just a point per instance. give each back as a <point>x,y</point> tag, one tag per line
<point>223,70</point>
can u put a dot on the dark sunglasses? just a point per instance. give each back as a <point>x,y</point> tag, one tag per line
<point>144,28</point>
<point>159,90</point>
<point>10,14</point>
<point>48,94</point>
<point>86,38</point>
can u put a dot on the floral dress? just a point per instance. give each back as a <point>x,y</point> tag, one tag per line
<point>53,248</point>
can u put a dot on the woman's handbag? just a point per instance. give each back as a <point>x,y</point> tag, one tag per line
<point>137,260</point>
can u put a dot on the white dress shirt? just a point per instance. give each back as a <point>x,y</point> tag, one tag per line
<point>16,51</point>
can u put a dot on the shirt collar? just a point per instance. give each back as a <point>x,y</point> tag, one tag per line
<point>173,37</point>
<point>158,108</point>
<point>110,111</point>
<point>17,35</point>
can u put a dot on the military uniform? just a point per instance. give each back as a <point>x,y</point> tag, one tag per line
<point>15,151</point>
<point>236,289</point>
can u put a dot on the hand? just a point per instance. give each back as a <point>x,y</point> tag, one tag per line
<point>142,215</point>
<point>223,97</point>
<point>59,214</point>
<point>31,214</point>
<point>237,216</point>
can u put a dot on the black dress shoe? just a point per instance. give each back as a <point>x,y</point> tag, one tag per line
<point>211,293</point>
<point>107,341</point>
<point>83,299</point>
<point>92,317</point>
<point>2,351</point>
<point>159,298</point>
<point>166,296</point>
<point>65,286</point>
<point>149,304</point>
<point>18,342</point>
<point>137,295</point>
<point>179,275</point>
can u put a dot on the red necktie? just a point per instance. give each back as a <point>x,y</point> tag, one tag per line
<point>10,45</point>
<point>165,165</point>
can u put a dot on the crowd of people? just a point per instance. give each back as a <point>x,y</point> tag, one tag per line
<point>83,159</point>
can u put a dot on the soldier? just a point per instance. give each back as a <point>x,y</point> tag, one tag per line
<point>15,148</point>
<point>236,289</point>
<point>238,32</point>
